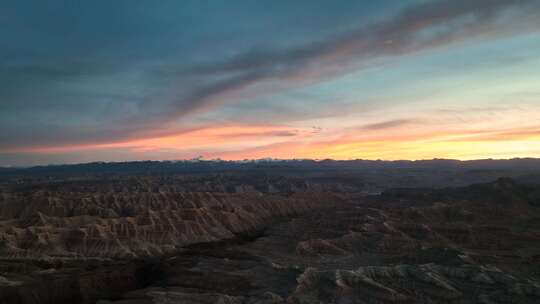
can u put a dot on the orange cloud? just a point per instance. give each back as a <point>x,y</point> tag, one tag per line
<point>466,144</point>
<point>399,139</point>
<point>208,137</point>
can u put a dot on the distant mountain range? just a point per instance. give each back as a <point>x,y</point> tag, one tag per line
<point>198,165</point>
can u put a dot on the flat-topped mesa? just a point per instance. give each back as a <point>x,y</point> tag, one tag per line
<point>52,223</point>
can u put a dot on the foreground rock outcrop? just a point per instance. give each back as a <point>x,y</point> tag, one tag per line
<point>429,283</point>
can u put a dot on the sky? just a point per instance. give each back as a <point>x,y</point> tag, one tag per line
<point>124,80</point>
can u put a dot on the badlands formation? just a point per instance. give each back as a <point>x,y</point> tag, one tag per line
<point>280,234</point>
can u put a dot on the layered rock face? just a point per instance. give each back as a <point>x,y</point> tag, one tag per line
<point>136,218</point>
<point>447,246</point>
<point>253,240</point>
<point>78,241</point>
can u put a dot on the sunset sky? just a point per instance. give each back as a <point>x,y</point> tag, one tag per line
<point>135,80</point>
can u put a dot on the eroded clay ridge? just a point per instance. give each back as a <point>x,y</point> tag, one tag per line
<point>134,221</point>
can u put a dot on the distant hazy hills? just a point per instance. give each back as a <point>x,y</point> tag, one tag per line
<point>529,165</point>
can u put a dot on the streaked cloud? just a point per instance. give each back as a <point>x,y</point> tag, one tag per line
<point>426,25</point>
<point>388,124</point>
<point>340,79</point>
